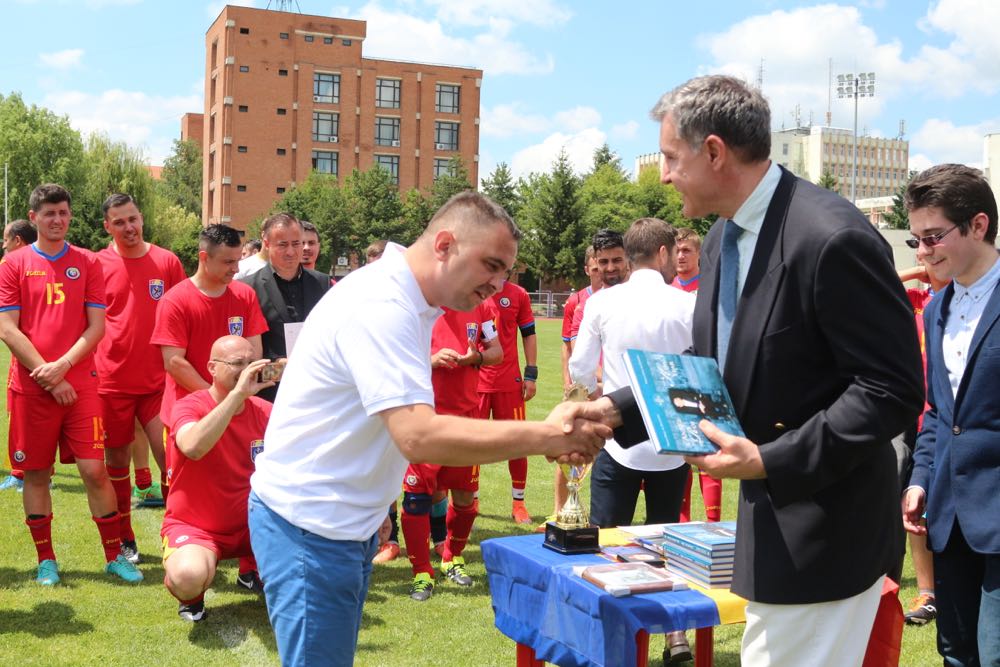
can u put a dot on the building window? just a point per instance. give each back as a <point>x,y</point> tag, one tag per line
<point>241,188</point>
<point>282,112</point>
<point>784,149</point>
<point>325,162</point>
<point>442,167</point>
<point>282,72</point>
<point>328,40</point>
<point>241,149</point>
<point>386,131</point>
<point>326,88</point>
<point>244,68</point>
<point>345,42</point>
<point>445,136</point>
<point>280,191</point>
<point>283,35</point>
<point>309,38</point>
<point>446,98</point>
<point>387,93</point>
<point>281,151</point>
<point>244,31</point>
<point>325,126</point>
<point>391,164</point>
<point>244,108</point>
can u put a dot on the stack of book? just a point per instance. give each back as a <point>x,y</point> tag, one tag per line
<point>700,552</point>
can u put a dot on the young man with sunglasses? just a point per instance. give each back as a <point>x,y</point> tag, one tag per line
<point>957,458</point>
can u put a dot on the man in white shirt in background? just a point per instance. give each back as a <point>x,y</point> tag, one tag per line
<point>645,313</point>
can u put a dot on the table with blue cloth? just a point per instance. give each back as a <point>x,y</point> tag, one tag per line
<point>556,616</point>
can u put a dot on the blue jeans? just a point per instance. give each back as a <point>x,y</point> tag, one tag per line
<point>614,490</point>
<point>967,595</point>
<point>315,588</point>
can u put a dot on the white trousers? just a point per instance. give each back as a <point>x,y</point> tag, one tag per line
<point>824,634</point>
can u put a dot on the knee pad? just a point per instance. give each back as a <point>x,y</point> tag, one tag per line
<point>440,508</point>
<point>417,503</point>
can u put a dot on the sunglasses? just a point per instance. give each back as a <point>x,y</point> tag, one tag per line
<point>929,241</point>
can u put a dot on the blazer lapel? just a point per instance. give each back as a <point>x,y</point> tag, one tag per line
<point>311,291</point>
<point>934,348</point>
<point>759,293</point>
<point>274,295</point>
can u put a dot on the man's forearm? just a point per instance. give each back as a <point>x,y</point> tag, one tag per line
<point>199,438</point>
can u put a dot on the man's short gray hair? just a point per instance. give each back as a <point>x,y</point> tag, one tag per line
<point>723,106</point>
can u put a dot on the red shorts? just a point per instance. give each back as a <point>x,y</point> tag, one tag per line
<point>121,411</point>
<point>428,478</point>
<point>501,405</point>
<point>177,534</point>
<point>38,424</point>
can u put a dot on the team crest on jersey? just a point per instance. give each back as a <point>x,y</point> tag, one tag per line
<point>72,273</point>
<point>504,302</point>
<point>155,288</point>
<point>411,480</point>
<point>19,456</point>
<point>472,331</point>
<point>236,326</point>
<point>256,447</point>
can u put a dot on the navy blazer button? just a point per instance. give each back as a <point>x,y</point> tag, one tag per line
<point>779,426</point>
<point>956,429</point>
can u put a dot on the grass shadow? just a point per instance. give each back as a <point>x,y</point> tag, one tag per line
<point>45,620</point>
<point>226,626</point>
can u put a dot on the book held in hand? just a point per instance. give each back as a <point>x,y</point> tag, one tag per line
<point>676,391</point>
<point>621,579</point>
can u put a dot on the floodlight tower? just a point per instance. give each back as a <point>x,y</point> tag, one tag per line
<point>849,85</point>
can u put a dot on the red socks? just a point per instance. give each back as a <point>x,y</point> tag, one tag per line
<point>416,532</point>
<point>711,493</point>
<point>41,534</point>
<point>518,476</point>
<point>143,478</point>
<point>110,529</point>
<point>248,564</point>
<point>460,520</point>
<point>123,495</point>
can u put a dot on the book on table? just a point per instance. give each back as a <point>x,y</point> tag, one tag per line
<point>667,549</point>
<point>631,553</point>
<point>674,393</point>
<point>677,569</point>
<point>701,537</point>
<point>627,578</point>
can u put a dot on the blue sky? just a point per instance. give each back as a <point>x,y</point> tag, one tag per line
<point>558,74</point>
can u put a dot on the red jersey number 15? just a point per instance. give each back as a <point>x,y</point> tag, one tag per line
<point>54,294</point>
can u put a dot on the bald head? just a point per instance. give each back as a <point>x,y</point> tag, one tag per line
<point>231,346</point>
<point>230,355</point>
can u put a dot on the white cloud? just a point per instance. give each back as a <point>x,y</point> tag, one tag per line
<point>625,131</point>
<point>919,162</point>
<point>508,120</point>
<point>62,59</point>
<point>579,148</point>
<point>398,35</point>
<point>948,142</point>
<point>136,118</point>
<point>484,12</point>
<point>577,118</point>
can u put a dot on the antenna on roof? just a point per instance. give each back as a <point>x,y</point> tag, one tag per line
<point>284,5</point>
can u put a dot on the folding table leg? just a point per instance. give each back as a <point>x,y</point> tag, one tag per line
<point>526,657</point>
<point>641,648</point>
<point>703,638</point>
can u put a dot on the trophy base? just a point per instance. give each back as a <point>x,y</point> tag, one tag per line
<point>581,540</point>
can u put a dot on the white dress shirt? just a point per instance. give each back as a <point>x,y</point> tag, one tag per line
<point>644,313</point>
<point>964,312</point>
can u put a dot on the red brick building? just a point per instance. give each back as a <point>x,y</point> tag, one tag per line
<point>287,93</point>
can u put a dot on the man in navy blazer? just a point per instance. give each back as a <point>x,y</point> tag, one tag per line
<point>956,469</point>
<point>823,367</point>
<point>287,290</point>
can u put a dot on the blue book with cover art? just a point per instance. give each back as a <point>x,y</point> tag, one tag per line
<point>675,392</point>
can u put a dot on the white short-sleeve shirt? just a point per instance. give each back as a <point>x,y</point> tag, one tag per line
<point>329,465</point>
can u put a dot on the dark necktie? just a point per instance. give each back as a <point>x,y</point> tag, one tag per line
<point>729,269</point>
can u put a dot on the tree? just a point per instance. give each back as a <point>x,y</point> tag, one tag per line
<point>375,209</point>
<point>603,156</point>
<point>552,219</point>
<point>898,217</point>
<point>450,183</point>
<point>609,202</point>
<point>177,229</point>
<point>38,147</point>
<point>180,181</point>
<point>111,167</point>
<point>499,186</point>
<point>417,210</point>
<point>828,181</point>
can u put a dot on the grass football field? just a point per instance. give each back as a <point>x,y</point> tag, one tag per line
<point>90,619</point>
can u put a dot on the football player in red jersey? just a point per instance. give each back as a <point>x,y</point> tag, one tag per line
<point>461,343</point>
<point>217,434</point>
<point>52,305</point>
<point>503,391</point>
<point>129,368</point>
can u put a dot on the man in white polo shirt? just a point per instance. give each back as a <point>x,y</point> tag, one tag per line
<point>357,404</point>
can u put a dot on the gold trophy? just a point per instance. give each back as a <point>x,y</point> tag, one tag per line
<point>571,532</point>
